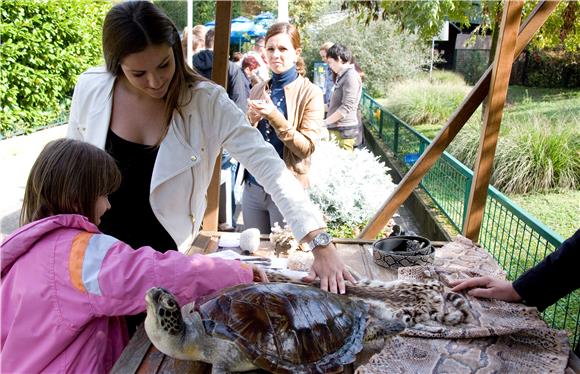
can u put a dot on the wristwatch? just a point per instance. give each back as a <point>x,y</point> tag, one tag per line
<point>320,240</point>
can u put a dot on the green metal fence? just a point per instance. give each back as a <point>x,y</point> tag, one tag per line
<point>513,237</point>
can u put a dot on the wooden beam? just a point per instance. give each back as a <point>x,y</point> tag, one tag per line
<point>450,130</point>
<point>500,79</point>
<point>219,74</point>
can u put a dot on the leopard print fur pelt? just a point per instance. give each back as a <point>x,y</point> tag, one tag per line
<point>413,302</point>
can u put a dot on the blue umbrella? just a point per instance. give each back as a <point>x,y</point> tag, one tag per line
<point>259,30</point>
<point>241,27</point>
<point>261,24</point>
<point>265,16</point>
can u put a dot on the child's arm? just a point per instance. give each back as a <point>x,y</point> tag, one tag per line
<point>116,277</point>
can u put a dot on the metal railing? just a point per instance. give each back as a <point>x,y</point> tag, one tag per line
<point>512,236</point>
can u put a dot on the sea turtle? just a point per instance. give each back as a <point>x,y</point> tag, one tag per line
<point>279,327</point>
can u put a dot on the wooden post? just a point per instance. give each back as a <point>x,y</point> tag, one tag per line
<point>500,79</point>
<point>219,75</point>
<point>450,130</point>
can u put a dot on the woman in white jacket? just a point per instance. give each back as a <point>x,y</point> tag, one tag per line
<point>165,126</point>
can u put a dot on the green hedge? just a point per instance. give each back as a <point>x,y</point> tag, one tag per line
<point>553,69</point>
<point>45,46</point>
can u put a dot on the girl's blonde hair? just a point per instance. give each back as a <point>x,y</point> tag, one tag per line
<point>67,178</point>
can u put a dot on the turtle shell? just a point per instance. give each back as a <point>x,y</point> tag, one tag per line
<point>287,328</point>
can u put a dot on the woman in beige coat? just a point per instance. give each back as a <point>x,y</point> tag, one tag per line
<point>288,110</point>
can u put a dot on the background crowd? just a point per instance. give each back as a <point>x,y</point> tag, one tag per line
<point>285,107</point>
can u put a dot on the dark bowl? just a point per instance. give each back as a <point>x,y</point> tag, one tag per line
<point>407,250</point>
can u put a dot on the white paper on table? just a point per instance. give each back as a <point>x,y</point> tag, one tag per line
<point>229,240</point>
<point>227,254</point>
<point>277,264</point>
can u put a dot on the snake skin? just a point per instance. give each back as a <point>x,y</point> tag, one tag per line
<point>496,337</point>
<point>394,259</point>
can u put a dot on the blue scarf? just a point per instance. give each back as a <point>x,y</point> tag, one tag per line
<point>277,84</point>
<point>279,81</point>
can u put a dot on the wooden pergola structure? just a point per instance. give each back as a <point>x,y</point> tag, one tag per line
<point>513,38</point>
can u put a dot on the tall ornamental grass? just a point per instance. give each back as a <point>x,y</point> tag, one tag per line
<point>531,156</point>
<point>421,102</point>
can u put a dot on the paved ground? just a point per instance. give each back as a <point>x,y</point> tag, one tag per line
<point>17,155</point>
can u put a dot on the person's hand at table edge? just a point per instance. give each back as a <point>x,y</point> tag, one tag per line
<point>487,287</point>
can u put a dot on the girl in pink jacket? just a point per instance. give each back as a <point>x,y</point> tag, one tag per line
<point>65,285</point>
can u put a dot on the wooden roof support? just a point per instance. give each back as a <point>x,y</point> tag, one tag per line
<point>500,79</point>
<point>219,75</point>
<point>458,119</point>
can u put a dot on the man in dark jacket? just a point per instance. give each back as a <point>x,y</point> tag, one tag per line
<point>203,62</point>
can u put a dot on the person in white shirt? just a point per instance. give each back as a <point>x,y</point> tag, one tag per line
<point>147,101</point>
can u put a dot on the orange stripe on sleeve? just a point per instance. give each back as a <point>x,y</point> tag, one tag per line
<point>75,262</point>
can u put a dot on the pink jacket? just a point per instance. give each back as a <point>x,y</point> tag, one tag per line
<point>64,284</point>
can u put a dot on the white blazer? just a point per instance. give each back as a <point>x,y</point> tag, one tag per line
<point>188,153</point>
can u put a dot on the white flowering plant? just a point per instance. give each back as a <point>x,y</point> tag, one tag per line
<point>348,187</point>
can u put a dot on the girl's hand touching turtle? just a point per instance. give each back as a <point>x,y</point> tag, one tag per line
<point>259,274</point>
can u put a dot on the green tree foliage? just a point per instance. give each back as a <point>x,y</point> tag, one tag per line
<point>385,53</point>
<point>561,30</point>
<point>45,46</point>
<point>425,16</point>
<point>203,11</point>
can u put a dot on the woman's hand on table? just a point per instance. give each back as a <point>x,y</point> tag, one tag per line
<point>330,269</point>
<point>259,274</point>
<point>487,287</point>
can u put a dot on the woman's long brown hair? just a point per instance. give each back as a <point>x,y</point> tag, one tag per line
<point>67,178</point>
<point>131,27</point>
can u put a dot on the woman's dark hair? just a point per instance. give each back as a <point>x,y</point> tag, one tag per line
<point>237,56</point>
<point>339,52</point>
<point>132,26</point>
<point>67,178</point>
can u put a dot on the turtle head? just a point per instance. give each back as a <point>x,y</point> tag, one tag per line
<point>163,312</point>
<point>166,328</point>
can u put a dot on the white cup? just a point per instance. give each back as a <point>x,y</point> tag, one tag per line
<point>250,240</point>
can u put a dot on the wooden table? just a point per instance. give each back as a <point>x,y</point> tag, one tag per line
<point>140,356</point>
